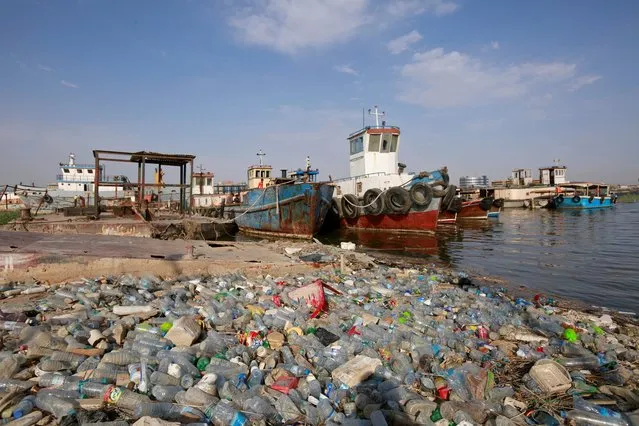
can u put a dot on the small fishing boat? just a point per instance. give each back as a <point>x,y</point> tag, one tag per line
<point>477,209</point>
<point>293,207</point>
<point>584,195</point>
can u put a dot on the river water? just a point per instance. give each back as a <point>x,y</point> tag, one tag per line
<point>589,255</point>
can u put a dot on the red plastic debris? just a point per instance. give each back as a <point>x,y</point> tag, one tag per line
<point>277,300</point>
<point>443,393</point>
<point>314,296</point>
<point>285,383</point>
<point>353,331</point>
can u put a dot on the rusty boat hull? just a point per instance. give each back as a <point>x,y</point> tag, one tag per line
<point>294,210</point>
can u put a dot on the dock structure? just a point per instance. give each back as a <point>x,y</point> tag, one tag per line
<point>142,158</point>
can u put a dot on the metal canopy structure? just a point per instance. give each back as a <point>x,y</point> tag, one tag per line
<point>142,158</point>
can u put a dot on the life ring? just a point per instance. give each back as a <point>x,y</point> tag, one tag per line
<point>576,199</point>
<point>486,203</point>
<point>421,194</point>
<point>455,205</point>
<point>350,206</point>
<point>374,201</point>
<point>47,199</point>
<point>451,192</point>
<point>441,183</point>
<point>499,203</point>
<point>602,199</point>
<point>560,199</point>
<point>397,200</point>
<point>591,199</point>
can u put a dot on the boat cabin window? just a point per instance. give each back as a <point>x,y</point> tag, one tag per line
<point>79,170</point>
<point>393,147</point>
<point>90,171</point>
<point>357,145</point>
<point>373,143</point>
<point>386,143</point>
<point>66,170</point>
<point>268,173</point>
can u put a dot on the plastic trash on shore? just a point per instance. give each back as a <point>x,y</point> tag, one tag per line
<point>376,346</point>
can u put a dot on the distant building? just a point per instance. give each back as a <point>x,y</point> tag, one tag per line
<point>522,177</point>
<point>555,175</point>
<point>470,182</point>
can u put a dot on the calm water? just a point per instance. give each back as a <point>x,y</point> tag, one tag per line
<point>588,255</point>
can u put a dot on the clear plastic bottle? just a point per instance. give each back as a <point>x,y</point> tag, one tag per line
<point>57,406</point>
<point>325,408</point>
<point>168,411</point>
<point>10,385</point>
<point>121,357</point>
<point>159,378</point>
<point>581,404</point>
<point>256,378</point>
<point>224,414</point>
<point>584,362</point>
<point>195,397</point>
<point>587,418</point>
<point>164,393</point>
<point>24,407</point>
<point>12,325</point>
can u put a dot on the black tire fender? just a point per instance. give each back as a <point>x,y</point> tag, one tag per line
<point>350,206</point>
<point>451,192</point>
<point>576,199</point>
<point>421,194</point>
<point>397,200</point>
<point>486,203</point>
<point>374,201</point>
<point>499,203</point>
<point>456,205</point>
<point>559,200</point>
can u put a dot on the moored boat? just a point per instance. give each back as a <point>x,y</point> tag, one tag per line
<point>583,196</point>
<point>380,194</point>
<point>292,207</point>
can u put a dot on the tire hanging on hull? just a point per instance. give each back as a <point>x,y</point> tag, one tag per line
<point>374,201</point>
<point>350,206</point>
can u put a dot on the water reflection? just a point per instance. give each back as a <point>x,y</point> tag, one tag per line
<point>590,255</point>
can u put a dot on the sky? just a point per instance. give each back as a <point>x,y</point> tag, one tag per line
<point>480,86</point>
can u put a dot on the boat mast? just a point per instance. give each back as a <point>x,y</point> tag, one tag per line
<point>261,155</point>
<point>376,114</point>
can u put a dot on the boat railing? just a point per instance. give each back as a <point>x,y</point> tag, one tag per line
<point>363,129</point>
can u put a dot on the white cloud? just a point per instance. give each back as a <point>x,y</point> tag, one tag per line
<point>582,81</point>
<point>402,43</point>
<point>494,45</point>
<point>438,79</point>
<point>44,68</point>
<point>289,26</point>
<point>403,8</point>
<point>346,69</point>
<point>68,84</point>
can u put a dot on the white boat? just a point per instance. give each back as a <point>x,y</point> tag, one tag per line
<point>73,186</point>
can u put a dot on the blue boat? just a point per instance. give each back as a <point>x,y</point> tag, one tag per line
<point>294,207</point>
<point>583,196</point>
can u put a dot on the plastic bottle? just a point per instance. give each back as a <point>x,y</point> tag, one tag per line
<point>57,406</point>
<point>224,414</point>
<point>325,409</point>
<point>121,357</point>
<point>24,407</point>
<point>581,404</point>
<point>159,378</point>
<point>195,397</point>
<point>587,418</point>
<point>165,393</point>
<point>10,385</point>
<point>584,362</point>
<point>168,411</point>
<point>12,325</point>
<point>256,378</point>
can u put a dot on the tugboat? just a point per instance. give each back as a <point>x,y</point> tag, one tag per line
<point>293,206</point>
<point>380,194</point>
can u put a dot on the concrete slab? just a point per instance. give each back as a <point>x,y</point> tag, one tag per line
<point>56,257</point>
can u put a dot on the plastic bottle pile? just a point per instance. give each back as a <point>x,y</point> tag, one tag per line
<point>374,347</point>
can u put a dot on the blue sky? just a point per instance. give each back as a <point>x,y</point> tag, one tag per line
<point>479,86</point>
